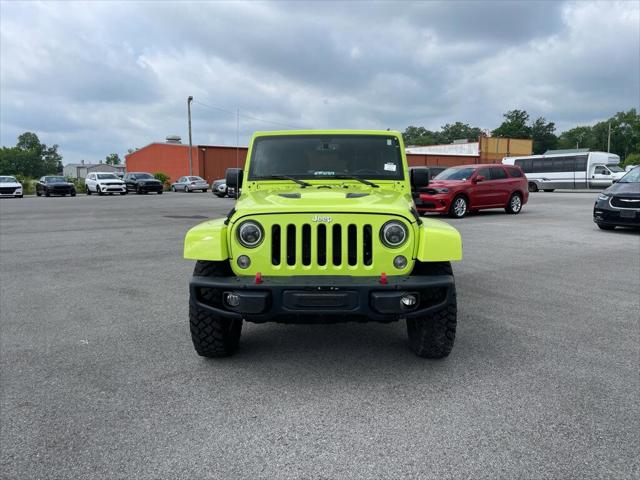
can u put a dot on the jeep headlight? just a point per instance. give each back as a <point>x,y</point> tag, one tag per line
<point>250,234</point>
<point>393,234</point>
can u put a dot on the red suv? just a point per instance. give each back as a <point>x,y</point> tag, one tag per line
<point>465,188</point>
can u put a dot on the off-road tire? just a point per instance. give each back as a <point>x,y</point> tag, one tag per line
<point>213,336</point>
<point>515,204</point>
<point>433,335</point>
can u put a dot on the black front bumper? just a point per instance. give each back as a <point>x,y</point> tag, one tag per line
<point>321,299</point>
<point>604,214</point>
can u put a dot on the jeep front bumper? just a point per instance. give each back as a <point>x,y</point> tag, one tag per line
<point>321,299</point>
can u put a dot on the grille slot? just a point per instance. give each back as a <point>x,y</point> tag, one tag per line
<point>352,245</point>
<point>291,244</point>
<point>275,245</point>
<point>322,245</point>
<point>306,244</point>
<point>336,245</point>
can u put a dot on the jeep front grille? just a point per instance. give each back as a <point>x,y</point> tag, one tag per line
<point>319,244</point>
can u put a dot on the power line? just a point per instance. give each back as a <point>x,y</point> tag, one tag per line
<point>245,116</point>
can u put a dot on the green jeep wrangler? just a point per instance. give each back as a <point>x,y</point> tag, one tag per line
<point>324,230</point>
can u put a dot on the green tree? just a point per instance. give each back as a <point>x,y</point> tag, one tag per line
<point>578,137</point>
<point>113,159</point>
<point>514,125</point>
<point>459,131</point>
<point>30,157</point>
<point>419,136</point>
<point>543,136</point>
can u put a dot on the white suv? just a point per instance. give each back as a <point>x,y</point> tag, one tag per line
<point>102,183</point>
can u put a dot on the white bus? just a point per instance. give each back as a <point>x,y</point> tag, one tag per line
<point>570,170</point>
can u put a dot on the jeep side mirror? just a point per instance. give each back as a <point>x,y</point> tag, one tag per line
<point>419,178</point>
<point>234,177</point>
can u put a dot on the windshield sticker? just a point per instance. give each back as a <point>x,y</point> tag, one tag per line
<point>390,167</point>
<point>323,173</point>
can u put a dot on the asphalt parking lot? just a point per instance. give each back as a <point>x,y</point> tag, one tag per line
<point>99,377</point>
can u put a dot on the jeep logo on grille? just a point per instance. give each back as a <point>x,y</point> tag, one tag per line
<point>319,218</point>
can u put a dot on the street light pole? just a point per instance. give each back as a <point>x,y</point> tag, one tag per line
<point>189,100</point>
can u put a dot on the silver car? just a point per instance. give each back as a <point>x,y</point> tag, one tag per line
<point>190,184</point>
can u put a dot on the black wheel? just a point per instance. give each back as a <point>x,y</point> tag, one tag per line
<point>606,227</point>
<point>88,191</point>
<point>38,193</point>
<point>73,194</point>
<point>139,191</point>
<point>160,192</point>
<point>515,204</point>
<point>533,187</point>
<point>204,190</point>
<point>18,196</point>
<point>123,193</point>
<point>212,336</point>
<point>459,207</point>
<point>46,193</point>
<point>549,189</point>
<point>433,335</point>
<point>99,190</point>
<point>187,189</point>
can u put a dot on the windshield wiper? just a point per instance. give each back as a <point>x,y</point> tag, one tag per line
<point>286,177</point>
<point>351,177</point>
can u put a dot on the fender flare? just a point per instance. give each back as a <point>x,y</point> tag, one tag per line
<point>207,241</point>
<point>438,242</point>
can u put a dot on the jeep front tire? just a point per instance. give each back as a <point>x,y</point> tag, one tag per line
<point>213,336</point>
<point>433,335</point>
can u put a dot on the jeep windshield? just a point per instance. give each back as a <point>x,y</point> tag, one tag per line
<point>320,157</point>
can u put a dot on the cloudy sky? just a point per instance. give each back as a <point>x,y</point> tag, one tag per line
<point>99,77</point>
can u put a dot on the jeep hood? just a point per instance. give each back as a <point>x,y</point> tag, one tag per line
<point>319,200</point>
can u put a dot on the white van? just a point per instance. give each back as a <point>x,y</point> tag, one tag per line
<point>570,170</point>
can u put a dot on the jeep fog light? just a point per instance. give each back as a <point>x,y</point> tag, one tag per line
<point>400,262</point>
<point>393,234</point>
<point>408,300</point>
<point>250,234</point>
<point>232,299</point>
<point>244,261</point>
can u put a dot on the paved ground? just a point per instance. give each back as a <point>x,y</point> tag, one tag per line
<point>99,378</point>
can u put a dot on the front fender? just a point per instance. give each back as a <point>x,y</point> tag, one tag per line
<point>439,242</point>
<point>207,241</point>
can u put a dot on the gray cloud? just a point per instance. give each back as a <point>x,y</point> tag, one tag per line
<point>102,77</point>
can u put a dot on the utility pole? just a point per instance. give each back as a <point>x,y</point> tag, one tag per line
<point>189,100</point>
<point>609,139</point>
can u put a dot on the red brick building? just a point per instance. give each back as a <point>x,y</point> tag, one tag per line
<point>171,158</point>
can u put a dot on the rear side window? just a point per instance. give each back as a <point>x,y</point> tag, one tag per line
<point>498,173</point>
<point>514,172</point>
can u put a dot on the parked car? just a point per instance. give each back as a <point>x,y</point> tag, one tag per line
<point>458,190</point>
<point>142,182</point>
<point>190,184</point>
<point>10,187</point>
<point>103,183</point>
<point>219,188</point>
<point>619,205</point>
<point>54,185</point>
